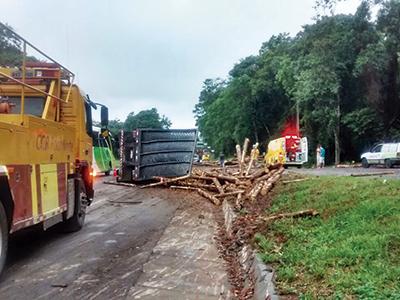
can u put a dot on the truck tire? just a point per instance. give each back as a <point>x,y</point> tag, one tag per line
<point>388,163</point>
<point>75,223</point>
<point>3,237</point>
<point>364,163</point>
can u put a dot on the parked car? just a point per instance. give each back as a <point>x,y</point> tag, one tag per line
<point>382,154</point>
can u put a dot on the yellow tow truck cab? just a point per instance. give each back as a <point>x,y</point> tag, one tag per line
<point>46,148</point>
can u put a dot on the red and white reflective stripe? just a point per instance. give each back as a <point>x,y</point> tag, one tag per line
<point>3,170</point>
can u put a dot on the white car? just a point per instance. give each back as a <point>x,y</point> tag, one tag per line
<point>382,154</point>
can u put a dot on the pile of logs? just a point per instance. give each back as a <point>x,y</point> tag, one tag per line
<point>220,183</point>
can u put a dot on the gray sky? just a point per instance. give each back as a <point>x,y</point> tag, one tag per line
<point>133,55</point>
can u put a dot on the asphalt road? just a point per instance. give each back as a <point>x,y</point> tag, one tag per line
<point>332,171</point>
<point>102,261</point>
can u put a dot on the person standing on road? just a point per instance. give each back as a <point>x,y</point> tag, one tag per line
<point>322,156</point>
<point>318,156</point>
<point>222,160</point>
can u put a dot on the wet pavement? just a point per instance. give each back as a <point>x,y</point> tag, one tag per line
<point>332,171</point>
<point>121,250</point>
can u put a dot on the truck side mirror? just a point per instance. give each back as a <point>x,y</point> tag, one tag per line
<point>104,117</point>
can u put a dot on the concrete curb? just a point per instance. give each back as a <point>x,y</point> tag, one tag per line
<point>251,262</point>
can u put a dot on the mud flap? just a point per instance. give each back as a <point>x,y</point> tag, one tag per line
<point>71,198</point>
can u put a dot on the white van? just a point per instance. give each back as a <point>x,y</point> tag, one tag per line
<point>383,154</point>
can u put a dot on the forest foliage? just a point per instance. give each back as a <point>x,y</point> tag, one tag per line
<point>149,118</point>
<point>342,71</point>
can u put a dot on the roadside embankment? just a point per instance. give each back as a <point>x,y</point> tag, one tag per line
<point>351,249</point>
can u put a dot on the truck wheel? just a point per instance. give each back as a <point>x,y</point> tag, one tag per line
<point>388,163</point>
<point>75,223</point>
<point>3,237</point>
<point>364,163</point>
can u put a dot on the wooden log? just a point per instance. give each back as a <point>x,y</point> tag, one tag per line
<point>179,187</point>
<point>258,173</point>
<point>274,167</point>
<point>252,158</point>
<point>218,185</point>
<point>270,182</point>
<point>294,180</point>
<point>225,178</point>
<point>249,166</point>
<point>208,196</point>
<point>267,185</point>
<point>198,185</point>
<point>238,202</point>
<point>120,183</point>
<point>372,174</point>
<point>203,177</point>
<point>244,151</point>
<point>234,193</point>
<point>297,214</point>
<point>255,191</point>
<point>265,177</point>
<point>164,181</point>
<point>239,156</point>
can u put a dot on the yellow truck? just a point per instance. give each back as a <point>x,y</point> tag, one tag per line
<point>46,147</point>
<point>289,150</point>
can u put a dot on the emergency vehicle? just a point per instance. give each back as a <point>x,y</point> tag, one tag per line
<point>290,150</point>
<point>46,147</point>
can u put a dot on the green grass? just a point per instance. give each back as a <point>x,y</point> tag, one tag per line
<point>350,251</point>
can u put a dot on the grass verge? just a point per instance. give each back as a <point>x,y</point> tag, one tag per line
<point>352,250</point>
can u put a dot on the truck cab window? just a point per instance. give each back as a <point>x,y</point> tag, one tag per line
<point>33,105</point>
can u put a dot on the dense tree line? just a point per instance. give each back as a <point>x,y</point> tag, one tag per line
<point>342,71</point>
<point>11,49</point>
<point>149,118</point>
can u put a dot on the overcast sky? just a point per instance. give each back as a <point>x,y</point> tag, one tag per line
<point>133,55</point>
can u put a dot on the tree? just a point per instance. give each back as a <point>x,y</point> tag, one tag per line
<point>146,119</point>
<point>342,71</point>
<point>11,49</point>
<point>115,126</point>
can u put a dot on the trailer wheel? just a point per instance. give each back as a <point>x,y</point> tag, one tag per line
<point>3,237</point>
<point>75,223</point>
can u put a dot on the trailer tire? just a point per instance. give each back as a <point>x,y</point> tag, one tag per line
<point>75,223</point>
<point>3,237</point>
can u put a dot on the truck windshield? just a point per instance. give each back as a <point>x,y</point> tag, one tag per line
<point>33,105</point>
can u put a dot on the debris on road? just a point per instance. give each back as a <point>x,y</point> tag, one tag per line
<point>294,180</point>
<point>119,183</point>
<point>297,214</point>
<point>353,165</point>
<point>372,174</point>
<point>59,285</point>
<point>124,202</point>
<point>217,184</point>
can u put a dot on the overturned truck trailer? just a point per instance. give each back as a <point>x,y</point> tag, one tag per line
<point>145,153</point>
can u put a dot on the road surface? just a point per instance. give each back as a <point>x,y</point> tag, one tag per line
<point>331,171</point>
<point>102,261</point>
